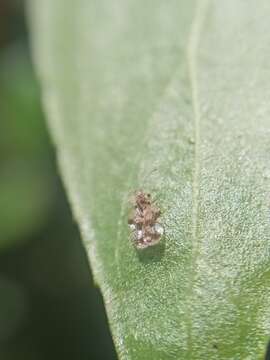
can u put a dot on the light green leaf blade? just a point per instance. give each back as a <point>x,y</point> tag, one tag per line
<point>170,97</point>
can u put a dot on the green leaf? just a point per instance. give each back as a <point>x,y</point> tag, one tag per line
<point>171,97</point>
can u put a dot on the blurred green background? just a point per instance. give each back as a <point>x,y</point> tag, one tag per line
<point>49,307</point>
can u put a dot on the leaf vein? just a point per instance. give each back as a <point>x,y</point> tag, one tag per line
<point>192,55</point>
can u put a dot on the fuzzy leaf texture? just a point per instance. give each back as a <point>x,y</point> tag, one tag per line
<point>171,97</point>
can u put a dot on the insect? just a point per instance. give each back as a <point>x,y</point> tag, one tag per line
<point>144,221</point>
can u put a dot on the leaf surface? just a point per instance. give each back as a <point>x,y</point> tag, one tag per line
<point>171,97</point>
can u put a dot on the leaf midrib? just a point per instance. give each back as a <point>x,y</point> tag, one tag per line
<point>192,55</point>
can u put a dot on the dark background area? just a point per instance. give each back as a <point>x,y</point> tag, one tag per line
<point>49,307</point>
